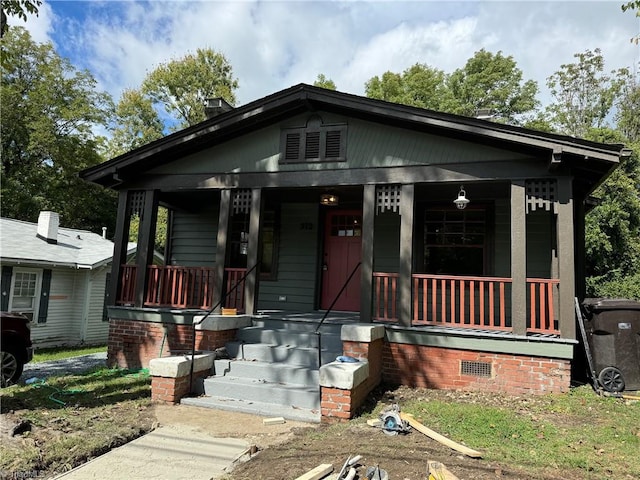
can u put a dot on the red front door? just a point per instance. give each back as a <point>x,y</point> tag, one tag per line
<point>342,252</point>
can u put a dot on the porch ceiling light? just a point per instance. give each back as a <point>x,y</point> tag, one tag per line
<point>462,200</point>
<point>329,199</point>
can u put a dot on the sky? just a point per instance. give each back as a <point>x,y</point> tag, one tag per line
<point>273,45</point>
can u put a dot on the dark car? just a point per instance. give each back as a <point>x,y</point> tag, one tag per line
<point>15,346</point>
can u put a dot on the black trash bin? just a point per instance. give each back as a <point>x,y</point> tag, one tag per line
<point>613,332</point>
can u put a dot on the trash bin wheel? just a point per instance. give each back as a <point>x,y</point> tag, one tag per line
<point>611,379</point>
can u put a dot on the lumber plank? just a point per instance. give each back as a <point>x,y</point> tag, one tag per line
<point>437,471</point>
<point>317,473</point>
<point>470,452</point>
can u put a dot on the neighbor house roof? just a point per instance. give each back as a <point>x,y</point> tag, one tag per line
<point>75,248</point>
<point>590,159</point>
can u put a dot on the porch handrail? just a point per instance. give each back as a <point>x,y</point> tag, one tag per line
<point>326,313</point>
<point>211,310</point>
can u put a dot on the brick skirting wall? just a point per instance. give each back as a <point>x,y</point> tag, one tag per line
<point>440,368</point>
<point>171,390</point>
<point>132,344</point>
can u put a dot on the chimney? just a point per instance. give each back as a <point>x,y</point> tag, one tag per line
<point>104,232</point>
<point>216,106</point>
<point>48,223</point>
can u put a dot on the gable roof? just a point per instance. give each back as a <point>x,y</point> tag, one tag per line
<point>599,158</point>
<point>75,248</point>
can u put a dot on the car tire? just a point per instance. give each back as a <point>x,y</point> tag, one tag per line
<point>12,365</point>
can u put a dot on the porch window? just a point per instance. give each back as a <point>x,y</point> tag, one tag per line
<point>454,241</point>
<point>316,142</point>
<point>268,252</point>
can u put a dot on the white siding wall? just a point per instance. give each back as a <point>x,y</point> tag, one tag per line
<point>65,309</point>
<point>96,330</point>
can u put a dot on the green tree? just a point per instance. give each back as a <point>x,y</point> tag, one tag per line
<point>49,113</point>
<point>182,86</point>
<point>136,123</point>
<point>494,83</point>
<point>16,8</point>
<point>324,82</point>
<point>488,81</point>
<point>583,95</point>
<point>634,5</point>
<point>419,85</point>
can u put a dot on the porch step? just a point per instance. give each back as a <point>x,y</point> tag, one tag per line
<point>267,372</point>
<point>300,325</point>
<point>285,336</point>
<point>256,408</point>
<point>290,354</point>
<point>252,390</point>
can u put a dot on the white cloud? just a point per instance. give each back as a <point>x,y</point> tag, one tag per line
<point>40,26</point>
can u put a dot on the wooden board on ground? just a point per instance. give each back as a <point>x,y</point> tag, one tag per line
<point>437,471</point>
<point>317,473</point>
<point>470,452</point>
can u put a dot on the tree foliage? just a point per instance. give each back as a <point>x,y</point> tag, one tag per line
<point>634,5</point>
<point>49,111</point>
<point>323,82</point>
<point>583,94</point>
<point>488,81</point>
<point>17,8</point>
<point>183,86</point>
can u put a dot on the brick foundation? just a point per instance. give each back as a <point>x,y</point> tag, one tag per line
<point>440,368</point>
<point>132,344</point>
<point>171,390</point>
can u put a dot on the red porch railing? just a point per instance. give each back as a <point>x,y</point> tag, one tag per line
<point>474,302</point>
<point>542,295</point>
<point>127,294</point>
<point>235,299</point>
<point>180,287</point>
<point>469,302</point>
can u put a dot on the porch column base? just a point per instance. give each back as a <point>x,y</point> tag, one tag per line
<point>344,386</point>
<point>170,376</point>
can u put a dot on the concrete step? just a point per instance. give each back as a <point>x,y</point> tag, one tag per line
<point>273,353</point>
<point>296,326</point>
<point>283,336</point>
<point>266,410</point>
<point>268,372</point>
<point>288,394</point>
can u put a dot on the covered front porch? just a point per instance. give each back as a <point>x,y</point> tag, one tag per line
<point>379,253</point>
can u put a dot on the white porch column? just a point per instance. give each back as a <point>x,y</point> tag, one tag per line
<point>566,259</point>
<point>518,258</point>
<point>406,254</point>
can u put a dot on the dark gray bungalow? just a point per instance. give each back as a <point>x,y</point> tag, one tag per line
<point>313,185</point>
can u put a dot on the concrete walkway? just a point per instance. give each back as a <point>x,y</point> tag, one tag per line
<point>67,366</point>
<point>168,453</point>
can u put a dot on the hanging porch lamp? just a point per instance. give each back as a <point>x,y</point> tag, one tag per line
<point>328,199</point>
<point>462,200</point>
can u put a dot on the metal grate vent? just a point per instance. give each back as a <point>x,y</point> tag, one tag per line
<point>475,369</point>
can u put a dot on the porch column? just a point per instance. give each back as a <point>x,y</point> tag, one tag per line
<point>406,254</point>
<point>518,258</point>
<point>146,240</point>
<point>221,244</point>
<point>566,259</point>
<point>120,240</point>
<point>255,220</point>
<point>366,269</point>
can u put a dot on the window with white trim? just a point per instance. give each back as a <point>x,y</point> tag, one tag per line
<point>25,293</point>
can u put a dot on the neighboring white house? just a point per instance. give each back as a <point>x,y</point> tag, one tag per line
<point>57,277</point>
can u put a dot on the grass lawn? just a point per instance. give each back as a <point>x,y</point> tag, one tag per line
<point>73,418</point>
<point>47,354</point>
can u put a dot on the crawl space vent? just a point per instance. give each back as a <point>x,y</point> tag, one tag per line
<point>475,369</point>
